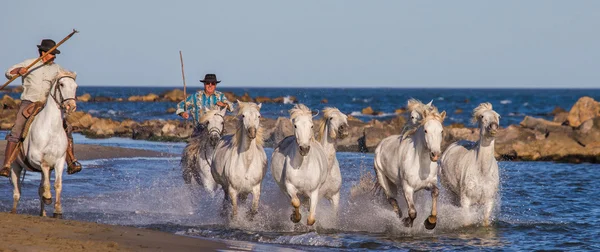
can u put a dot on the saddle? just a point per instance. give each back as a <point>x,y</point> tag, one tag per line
<point>29,113</point>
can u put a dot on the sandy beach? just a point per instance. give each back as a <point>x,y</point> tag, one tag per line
<point>33,233</point>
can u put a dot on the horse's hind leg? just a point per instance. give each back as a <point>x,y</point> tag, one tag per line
<point>391,192</point>
<point>15,179</point>
<point>335,202</point>
<point>412,212</point>
<point>431,221</point>
<point>58,169</point>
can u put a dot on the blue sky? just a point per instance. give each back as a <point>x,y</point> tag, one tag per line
<point>336,43</point>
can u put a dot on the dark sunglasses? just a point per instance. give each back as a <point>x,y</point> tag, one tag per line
<point>210,83</point>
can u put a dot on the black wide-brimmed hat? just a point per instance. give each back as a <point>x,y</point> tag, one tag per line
<point>47,44</point>
<point>210,78</point>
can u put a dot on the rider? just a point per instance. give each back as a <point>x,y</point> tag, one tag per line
<point>37,82</point>
<point>203,99</point>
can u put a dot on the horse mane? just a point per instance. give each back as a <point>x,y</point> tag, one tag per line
<point>65,73</point>
<point>482,108</point>
<point>208,114</point>
<point>237,139</point>
<point>427,112</point>
<point>299,110</point>
<point>327,112</point>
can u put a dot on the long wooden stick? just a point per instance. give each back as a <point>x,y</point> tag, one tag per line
<point>40,58</point>
<point>184,88</point>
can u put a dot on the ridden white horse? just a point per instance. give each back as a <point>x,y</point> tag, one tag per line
<point>45,146</point>
<point>409,161</point>
<point>240,163</point>
<point>469,170</point>
<point>333,126</point>
<point>198,153</point>
<point>299,164</point>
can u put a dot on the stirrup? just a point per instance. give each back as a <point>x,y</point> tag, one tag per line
<point>5,171</point>
<point>74,167</point>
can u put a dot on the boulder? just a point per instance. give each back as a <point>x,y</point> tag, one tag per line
<point>171,110</point>
<point>367,111</point>
<point>584,109</point>
<point>458,111</point>
<point>260,99</point>
<point>84,98</point>
<point>324,101</point>
<point>81,120</point>
<point>8,102</point>
<point>400,111</point>
<point>102,128</point>
<point>544,126</point>
<point>175,95</point>
<point>146,98</point>
<point>105,99</point>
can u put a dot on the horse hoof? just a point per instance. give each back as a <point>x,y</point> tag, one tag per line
<point>310,221</point>
<point>13,211</point>
<point>294,219</point>
<point>57,216</point>
<point>430,222</point>
<point>47,201</point>
<point>408,222</point>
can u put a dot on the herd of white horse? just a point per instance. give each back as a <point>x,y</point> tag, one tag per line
<point>304,166</point>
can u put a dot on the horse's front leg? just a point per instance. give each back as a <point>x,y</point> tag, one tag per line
<point>431,221</point>
<point>14,178</point>
<point>412,212</point>
<point>314,199</point>
<point>233,196</point>
<point>58,170</point>
<point>255,201</point>
<point>44,190</point>
<point>489,206</point>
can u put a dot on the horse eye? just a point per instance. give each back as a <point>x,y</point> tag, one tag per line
<point>295,127</point>
<point>243,116</point>
<point>311,127</point>
<point>425,131</point>
<point>481,116</point>
<point>62,85</point>
<point>258,116</point>
<point>330,118</point>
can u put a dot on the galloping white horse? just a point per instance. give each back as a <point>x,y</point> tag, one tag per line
<point>198,154</point>
<point>299,164</point>
<point>45,146</point>
<point>333,126</point>
<point>410,161</point>
<point>469,169</point>
<point>240,162</point>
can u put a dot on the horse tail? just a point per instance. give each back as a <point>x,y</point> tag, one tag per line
<point>190,158</point>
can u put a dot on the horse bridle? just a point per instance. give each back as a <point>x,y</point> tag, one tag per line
<point>215,129</point>
<point>57,89</point>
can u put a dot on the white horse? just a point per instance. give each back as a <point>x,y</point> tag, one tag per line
<point>44,148</point>
<point>299,164</point>
<point>469,169</point>
<point>333,126</point>
<point>409,161</point>
<point>198,153</point>
<point>240,162</point>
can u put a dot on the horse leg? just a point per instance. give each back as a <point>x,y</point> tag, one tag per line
<point>465,204</point>
<point>335,202</point>
<point>15,179</point>
<point>58,171</point>
<point>314,199</point>
<point>225,203</point>
<point>412,212</point>
<point>390,191</point>
<point>233,196</point>
<point>489,206</point>
<point>432,219</point>
<point>44,190</point>
<point>255,201</point>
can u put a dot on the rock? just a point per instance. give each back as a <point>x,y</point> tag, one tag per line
<point>81,120</point>
<point>557,110</point>
<point>102,128</point>
<point>458,111</point>
<point>467,101</point>
<point>562,118</point>
<point>8,102</point>
<point>400,111</point>
<point>367,111</point>
<point>286,100</point>
<point>105,99</point>
<point>84,98</point>
<point>246,98</point>
<point>588,132</point>
<point>119,99</point>
<point>260,99</point>
<point>128,123</point>
<point>544,126</point>
<point>171,110</point>
<point>18,89</point>
<point>6,125</point>
<point>456,126</point>
<point>324,101</point>
<point>230,96</point>
<point>584,109</point>
<point>175,95</point>
<point>146,98</point>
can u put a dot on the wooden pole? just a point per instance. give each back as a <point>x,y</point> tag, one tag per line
<point>40,58</point>
<point>184,88</point>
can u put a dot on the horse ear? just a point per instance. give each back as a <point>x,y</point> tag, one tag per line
<point>237,101</point>
<point>206,109</point>
<point>443,115</point>
<point>429,104</point>
<point>260,105</point>
<point>223,111</point>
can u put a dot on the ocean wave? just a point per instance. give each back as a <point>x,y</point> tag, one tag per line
<point>288,100</point>
<point>505,102</point>
<point>357,113</point>
<point>367,100</point>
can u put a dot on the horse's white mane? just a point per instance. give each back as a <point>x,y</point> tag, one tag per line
<point>482,108</point>
<point>299,110</point>
<point>65,73</point>
<point>243,106</point>
<point>327,113</point>
<point>427,111</point>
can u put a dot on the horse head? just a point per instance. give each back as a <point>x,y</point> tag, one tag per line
<point>64,89</point>
<point>214,121</point>
<point>337,123</point>
<point>249,116</point>
<point>487,118</point>
<point>432,128</point>
<point>301,118</point>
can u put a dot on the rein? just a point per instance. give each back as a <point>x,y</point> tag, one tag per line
<point>57,89</point>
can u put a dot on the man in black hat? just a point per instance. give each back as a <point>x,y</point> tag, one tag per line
<point>206,98</point>
<point>37,82</point>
